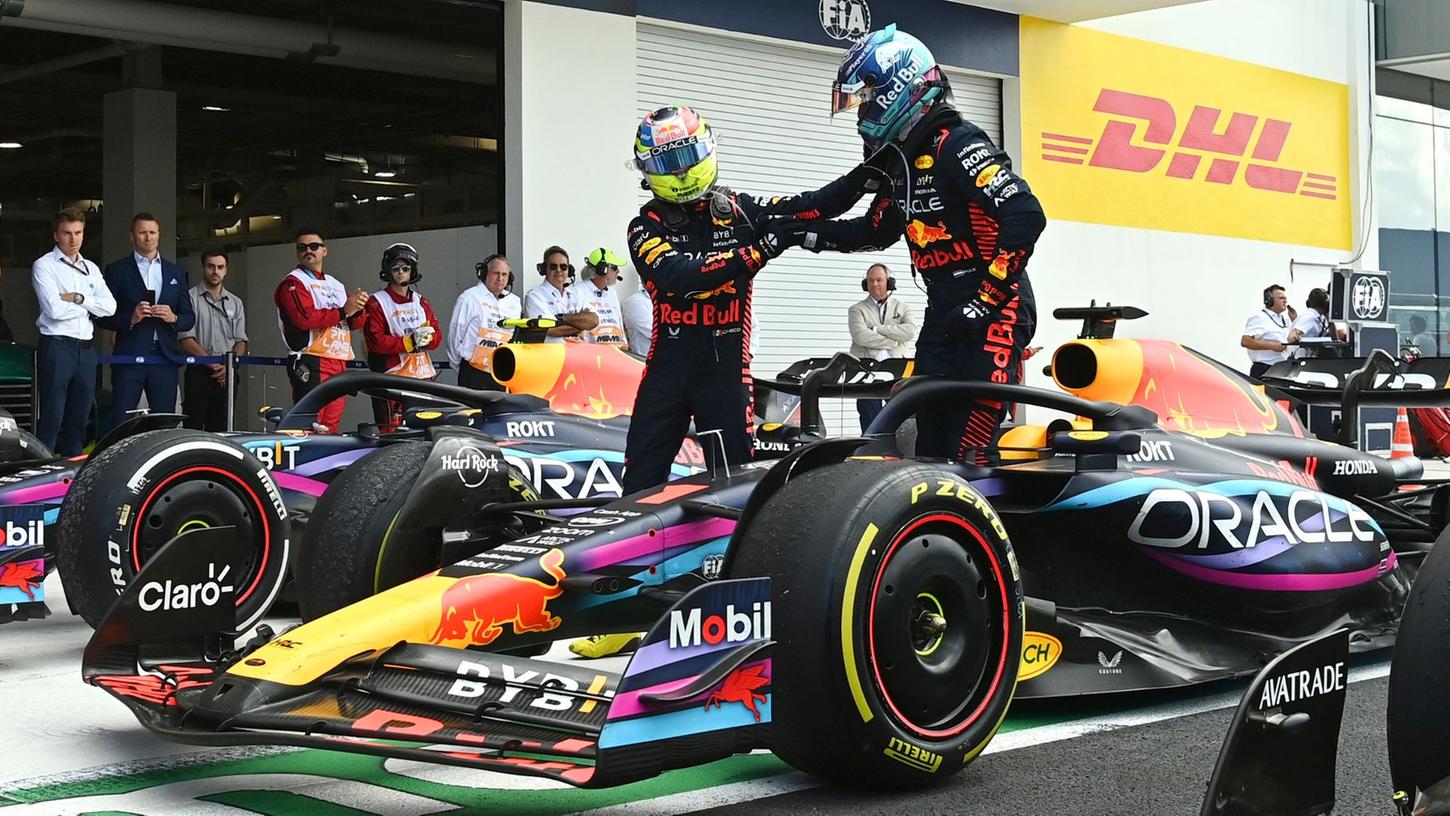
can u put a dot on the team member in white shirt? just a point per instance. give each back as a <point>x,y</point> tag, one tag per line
<point>474,333</point>
<point>71,292</point>
<point>1314,323</point>
<point>1267,331</point>
<point>596,293</point>
<point>555,298</point>
<point>639,319</point>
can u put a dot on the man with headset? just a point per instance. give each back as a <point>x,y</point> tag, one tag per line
<point>881,326</point>
<point>1266,333</point>
<point>474,331</point>
<point>596,294</point>
<point>556,299</point>
<point>399,328</point>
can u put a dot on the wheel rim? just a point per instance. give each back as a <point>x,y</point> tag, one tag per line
<point>939,627</point>
<point>211,497</point>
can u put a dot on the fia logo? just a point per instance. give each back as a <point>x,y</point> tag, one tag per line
<point>1110,664</point>
<point>845,19</point>
<point>1367,297</point>
<point>712,566</point>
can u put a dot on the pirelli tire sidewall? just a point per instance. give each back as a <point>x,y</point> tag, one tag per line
<point>857,698</point>
<point>145,490</point>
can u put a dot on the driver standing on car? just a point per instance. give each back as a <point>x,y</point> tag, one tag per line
<point>697,248</point>
<point>971,222</point>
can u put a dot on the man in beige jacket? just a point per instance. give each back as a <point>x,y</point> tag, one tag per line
<point>882,326</point>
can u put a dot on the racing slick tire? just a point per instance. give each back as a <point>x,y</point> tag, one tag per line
<point>351,549</point>
<point>1418,732</point>
<point>145,490</point>
<point>897,616</point>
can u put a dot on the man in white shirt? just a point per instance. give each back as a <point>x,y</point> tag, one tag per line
<point>596,294</point>
<point>474,333</point>
<point>881,326</point>
<point>1422,339</point>
<point>554,299</point>
<point>639,321</point>
<point>1314,323</point>
<point>71,293</point>
<point>1267,331</point>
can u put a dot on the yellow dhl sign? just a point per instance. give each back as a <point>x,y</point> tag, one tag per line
<point>1126,132</point>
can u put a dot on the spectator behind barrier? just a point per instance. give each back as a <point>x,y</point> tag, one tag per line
<point>1421,338</point>
<point>221,327</point>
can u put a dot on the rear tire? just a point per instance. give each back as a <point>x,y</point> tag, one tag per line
<point>1418,732</point>
<point>351,549</point>
<point>897,616</point>
<point>145,490</point>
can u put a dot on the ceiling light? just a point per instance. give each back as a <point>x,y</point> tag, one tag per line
<point>384,174</point>
<point>10,145</point>
<point>215,108</point>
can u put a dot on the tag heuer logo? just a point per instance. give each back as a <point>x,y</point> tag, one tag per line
<point>845,19</point>
<point>712,567</point>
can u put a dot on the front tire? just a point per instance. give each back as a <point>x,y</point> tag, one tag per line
<point>1418,733</point>
<point>897,615</point>
<point>145,490</point>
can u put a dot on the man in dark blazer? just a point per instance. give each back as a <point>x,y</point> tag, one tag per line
<point>151,307</point>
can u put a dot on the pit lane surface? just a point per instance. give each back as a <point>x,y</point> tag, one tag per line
<point>70,749</point>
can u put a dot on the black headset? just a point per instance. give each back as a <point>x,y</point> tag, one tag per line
<point>481,269</point>
<point>1269,295</point>
<point>890,280</point>
<point>556,249</point>
<point>394,252</point>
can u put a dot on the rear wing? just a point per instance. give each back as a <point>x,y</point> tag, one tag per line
<point>841,376</point>
<point>1354,382</point>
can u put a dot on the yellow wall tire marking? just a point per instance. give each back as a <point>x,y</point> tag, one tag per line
<point>848,613</point>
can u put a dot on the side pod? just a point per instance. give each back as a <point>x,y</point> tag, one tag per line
<point>1279,756</point>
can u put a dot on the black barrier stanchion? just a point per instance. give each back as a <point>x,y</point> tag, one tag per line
<point>34,389</point>
<point>231,392</point>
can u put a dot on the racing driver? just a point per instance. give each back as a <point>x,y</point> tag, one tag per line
<point>697,248</point>
<point>970,221</point>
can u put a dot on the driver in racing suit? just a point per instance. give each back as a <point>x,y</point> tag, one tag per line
<point>970,221</point>
<point>697,248</point>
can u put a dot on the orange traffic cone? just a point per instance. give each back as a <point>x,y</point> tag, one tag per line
<point>1402,445</point>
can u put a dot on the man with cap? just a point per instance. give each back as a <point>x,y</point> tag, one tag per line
<point>596,294</point>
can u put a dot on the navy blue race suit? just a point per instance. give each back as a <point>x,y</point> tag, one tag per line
<point>971,224</point>
<point>698,263</point>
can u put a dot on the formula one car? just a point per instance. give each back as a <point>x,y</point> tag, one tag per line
<point>862,615</point>
<point>561,431</point>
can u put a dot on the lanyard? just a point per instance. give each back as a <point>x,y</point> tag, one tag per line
<point>81,268</point>
<point>1275,318</point>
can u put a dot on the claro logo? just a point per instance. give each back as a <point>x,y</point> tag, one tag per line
<point>1206,141</point>
<point>169,595</point>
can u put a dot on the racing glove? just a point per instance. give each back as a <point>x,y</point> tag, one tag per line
<point>418,338</point>
<point>969,320</point>
<point>778,235</point>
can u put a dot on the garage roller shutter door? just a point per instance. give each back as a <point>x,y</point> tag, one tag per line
<point>769,105</point>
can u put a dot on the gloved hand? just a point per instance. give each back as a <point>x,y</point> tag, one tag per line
<point>874,171</point>
<point>778,235</point>
<point>420,337</point>
<point>969,319</point>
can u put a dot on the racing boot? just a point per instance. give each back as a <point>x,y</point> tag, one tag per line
<point>596,646</point>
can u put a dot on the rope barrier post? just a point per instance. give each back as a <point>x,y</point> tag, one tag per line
<point>34,389</point>
<point>231,389</point>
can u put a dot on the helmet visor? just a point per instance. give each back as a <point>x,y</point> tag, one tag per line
<point>678,156</point>
<point>845,97</point>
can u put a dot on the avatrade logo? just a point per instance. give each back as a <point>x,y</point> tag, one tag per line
<point>1204,143</point>
<point>691,628</point>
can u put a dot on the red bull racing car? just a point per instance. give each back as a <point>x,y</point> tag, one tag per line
<point>865,616</point>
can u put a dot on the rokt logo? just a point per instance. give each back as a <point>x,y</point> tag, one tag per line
<point>1202,138</point>
<point>845,19</point>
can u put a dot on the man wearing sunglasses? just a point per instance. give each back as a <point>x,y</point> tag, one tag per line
<point>555,299</point>
<point>317,316</point>
<point>596,294</point>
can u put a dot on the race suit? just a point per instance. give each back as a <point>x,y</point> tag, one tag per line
<point>698,263</point>
<point>971,224</point>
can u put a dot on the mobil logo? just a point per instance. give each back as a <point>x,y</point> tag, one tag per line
<point>1211,146</point>
<point>693,627</point>
<point>24,533</point>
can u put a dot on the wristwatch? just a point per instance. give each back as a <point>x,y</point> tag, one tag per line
<point>80,298</point>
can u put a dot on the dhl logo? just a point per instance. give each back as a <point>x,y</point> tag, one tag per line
<point>1121,147</point>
